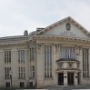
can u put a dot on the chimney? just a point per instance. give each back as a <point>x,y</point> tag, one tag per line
<point>39,29</point>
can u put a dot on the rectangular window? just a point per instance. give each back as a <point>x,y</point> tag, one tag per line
<point>67,52</point>
<point>21,55</point>
<point>48,61</point>
<point>31,84</point>
<point>7,72</point>
<point>32,69</point>
<point>85,54</point>
<point>32,53</point>
<point>7,55</point>
<point>21,84</point>
<point>21,71</point>
<point>7,84</point>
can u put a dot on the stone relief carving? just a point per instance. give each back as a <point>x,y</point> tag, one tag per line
<point>39,48</point>
<point>57,48</point>
<point>67,33</point>
<point>78,48</point>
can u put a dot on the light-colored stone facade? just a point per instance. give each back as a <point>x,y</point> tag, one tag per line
<point>55,35</point>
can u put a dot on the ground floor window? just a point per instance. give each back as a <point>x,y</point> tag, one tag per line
<point>31,84</point>
<point>7,84</point>
<point>21,84</point>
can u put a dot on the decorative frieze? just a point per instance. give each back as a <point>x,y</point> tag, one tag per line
<point>39,48</point>
<point>78,48</point>
<point>57,48</point>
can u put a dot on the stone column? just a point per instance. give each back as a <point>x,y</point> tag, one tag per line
<point>75,78</point>
<point>65,78</point>
<point>2,69</point>
<point>27,66</point>
<point>40,65</point>
<point>81,66</point>
<point>55,57</point>
<point>14,66</point>
<point>89,62</point>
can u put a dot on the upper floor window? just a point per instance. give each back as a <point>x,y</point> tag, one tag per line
<point>7,72</point>
<point>32,53</point>
<point>32,71</point>
<point>85,57</point>
<point>21,71</point>
<point>67,52</point>
<point>7,55</point>
<point>21,55</point>
<point>48,61</point>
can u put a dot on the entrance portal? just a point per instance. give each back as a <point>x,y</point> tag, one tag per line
<point>60,79</point>
<point>70,78</point>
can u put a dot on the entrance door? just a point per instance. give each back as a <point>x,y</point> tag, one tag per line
<point>78,76</point>
<point>70,78</point>
<point>60,79</point>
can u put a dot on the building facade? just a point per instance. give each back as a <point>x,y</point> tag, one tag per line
<point>56,55</point>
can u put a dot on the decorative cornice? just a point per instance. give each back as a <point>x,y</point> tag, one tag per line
<point>13,38</point>
<point>65,59</point>
<point>68,69</point>
<point>14,50</point>
<point>61,38</point>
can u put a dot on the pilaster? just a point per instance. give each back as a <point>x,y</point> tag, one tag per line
<point>65,78</point>
<point>75,78</point>
<point>81,66</point>
<point>54,66</point>
<point>2,68</point>
<point>89,62</point>
<point>27,66</point>
<point>40,65</point>
<point>14,64</point>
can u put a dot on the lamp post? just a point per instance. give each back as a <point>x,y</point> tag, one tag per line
<point>11,78</point>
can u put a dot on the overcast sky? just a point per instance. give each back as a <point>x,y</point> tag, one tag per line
<point>19,15</point>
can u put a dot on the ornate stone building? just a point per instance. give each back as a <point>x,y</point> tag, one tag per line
<point>56,55</point>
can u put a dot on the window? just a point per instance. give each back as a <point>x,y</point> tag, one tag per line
<point>7,72</point>
<point>31,84</point>
<point>48,61</point>
<point>32,53</point>
<point>21,71</point>
<point>7,55</point>
<point>85,54</point>
<point>7,84</point>
<point>32,69</point>
<point>21,84</point>
<point>21,55</point>
<point>67,52</point>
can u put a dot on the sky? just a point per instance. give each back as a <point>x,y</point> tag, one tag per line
<point>19,15</point>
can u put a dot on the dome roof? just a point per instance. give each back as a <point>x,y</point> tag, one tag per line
<point>25,33</point>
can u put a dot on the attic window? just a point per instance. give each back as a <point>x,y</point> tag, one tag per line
<point>68,26</point>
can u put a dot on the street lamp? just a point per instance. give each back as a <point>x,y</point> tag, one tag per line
<point>11,78</point>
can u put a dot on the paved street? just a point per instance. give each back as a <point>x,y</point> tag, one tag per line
<point>58,87</point>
